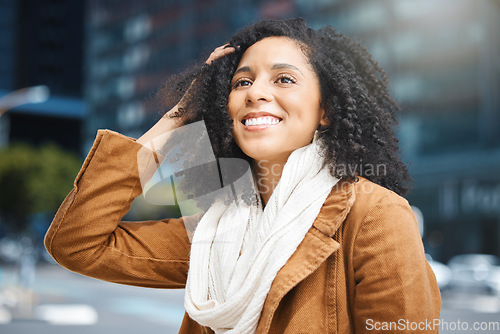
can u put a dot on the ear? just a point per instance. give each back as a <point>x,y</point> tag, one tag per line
<point>323,120</point>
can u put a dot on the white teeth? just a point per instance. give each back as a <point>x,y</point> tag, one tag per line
<point>262,121</point>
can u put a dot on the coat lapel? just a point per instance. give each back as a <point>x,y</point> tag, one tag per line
<point>316,247</point>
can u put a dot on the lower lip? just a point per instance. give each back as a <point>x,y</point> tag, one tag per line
<point>260,127</point>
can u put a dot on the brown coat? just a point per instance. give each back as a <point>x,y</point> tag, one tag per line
<point>360,269</point>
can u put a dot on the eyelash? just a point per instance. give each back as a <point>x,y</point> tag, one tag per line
<point>239,81</point>
<point>280,77</point>
<point>285,76</point>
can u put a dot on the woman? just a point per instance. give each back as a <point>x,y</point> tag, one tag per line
<point>324,245</point>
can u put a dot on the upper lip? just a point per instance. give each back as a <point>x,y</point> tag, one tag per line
<point>258,114</point>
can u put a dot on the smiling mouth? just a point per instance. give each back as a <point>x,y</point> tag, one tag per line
<point>262,122</point>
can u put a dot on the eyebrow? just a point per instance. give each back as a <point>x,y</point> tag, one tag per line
<point>274,67</point>
<point>288,66</point>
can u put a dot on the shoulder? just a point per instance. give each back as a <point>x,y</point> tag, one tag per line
<point>378,211</point>
<point>381,219</point>
<point>351,203</point>
<point>369,193</point>
<point>371,199</point>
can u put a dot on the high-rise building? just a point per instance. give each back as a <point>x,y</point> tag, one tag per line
<point>41,44</point>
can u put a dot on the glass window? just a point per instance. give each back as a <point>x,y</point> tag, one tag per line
<point>448,132</point>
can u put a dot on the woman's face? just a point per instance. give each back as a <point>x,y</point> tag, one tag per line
<point>275,100</point>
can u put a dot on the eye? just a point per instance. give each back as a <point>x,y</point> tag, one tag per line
<point>242,82</point>
<point>285,79</point>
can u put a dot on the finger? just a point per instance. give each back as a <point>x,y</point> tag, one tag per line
<point>219,52</point>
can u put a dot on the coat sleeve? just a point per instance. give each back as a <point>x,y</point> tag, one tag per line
<point>89,237</point>
<point>396,291</point>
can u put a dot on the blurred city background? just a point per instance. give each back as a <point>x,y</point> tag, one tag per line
<point>69,68</point>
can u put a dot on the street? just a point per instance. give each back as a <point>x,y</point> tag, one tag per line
<point>64,302</point>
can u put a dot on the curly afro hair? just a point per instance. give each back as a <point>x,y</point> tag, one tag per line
<point>360,138</point>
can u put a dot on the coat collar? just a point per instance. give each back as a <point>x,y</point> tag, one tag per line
<point>316,247</point>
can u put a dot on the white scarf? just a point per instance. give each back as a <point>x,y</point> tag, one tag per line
<point>238,249</point>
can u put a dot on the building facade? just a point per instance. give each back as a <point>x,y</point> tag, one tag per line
<point>41,45</point>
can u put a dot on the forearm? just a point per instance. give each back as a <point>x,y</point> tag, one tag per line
<point>167,123</point>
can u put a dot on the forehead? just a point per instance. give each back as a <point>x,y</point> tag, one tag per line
<point>272,50</point>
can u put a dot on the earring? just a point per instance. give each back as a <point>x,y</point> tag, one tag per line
<point>317,133</point>
<point>316,136</point>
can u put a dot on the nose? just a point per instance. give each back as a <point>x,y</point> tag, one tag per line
<point>258,91</point>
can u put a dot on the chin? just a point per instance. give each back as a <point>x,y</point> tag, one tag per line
<point>257,155</point>
<point>263,154</point>
<point>255,149</point>
<point>270,149</point>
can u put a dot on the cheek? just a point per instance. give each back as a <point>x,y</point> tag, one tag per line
<point>307,114</point>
